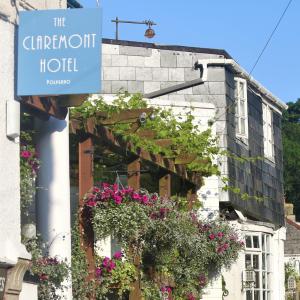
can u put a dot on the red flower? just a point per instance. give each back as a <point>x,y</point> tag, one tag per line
<point>117,199</point>
<point>190,296</point>
<point>220,234</point>
<point>43,277</point>
<point>25,154</point>
<point>211,236</point>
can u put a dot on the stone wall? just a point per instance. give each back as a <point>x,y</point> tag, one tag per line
<point>292,243</point>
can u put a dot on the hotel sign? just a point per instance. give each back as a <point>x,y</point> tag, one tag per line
<point>59,52</point>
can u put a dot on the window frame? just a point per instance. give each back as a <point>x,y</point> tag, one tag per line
<point>238,98</point>
<point>264,270</point>
<point>268,131</point>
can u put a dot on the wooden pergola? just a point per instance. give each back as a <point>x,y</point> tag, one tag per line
<point>95,131</point>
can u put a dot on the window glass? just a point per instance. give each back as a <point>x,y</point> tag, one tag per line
<point>263,261</point>
<point>263,242</point>
<point>255,241</point>
<point>256,295</point>
<point>241,107</point>
<point>257,282</point>
<point>264,280</point>
<point>248,241</point>
<point>248,261</point>
<point>255,262</point>
<point>248,295</point>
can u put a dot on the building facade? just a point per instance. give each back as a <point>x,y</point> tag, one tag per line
<point>246,118</point>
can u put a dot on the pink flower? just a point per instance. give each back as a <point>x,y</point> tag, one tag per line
<point>220,234</point>
<point>145,199</point>
<point>190,296</point>
<point>96,189</point>
<point>105,185</point>
<point>226,246</point>
<point>154,197</point>
<point>118,199</point>
<point>111,266</point>
<point>43,277</point>
<point>91,203</point>
<point>202,280</point>
<point>118,255</point>
<point>211,236</point>
<point>115,187</point>
<point>98,272</point>
<point>25,154</point>
<point>105,262</point>
<point>136,196</point>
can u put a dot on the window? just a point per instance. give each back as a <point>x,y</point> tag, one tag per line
<point>268,131</point>
<point>241,111</point>
<point>257,256</point>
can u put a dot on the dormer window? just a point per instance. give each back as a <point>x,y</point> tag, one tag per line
<point>241,108</point>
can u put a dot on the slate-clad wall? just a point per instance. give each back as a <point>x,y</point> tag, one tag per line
<point>262,178</point>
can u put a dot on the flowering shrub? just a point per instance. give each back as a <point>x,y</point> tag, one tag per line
<point>50,272</point>
<point>29,165</point>
<point>176,249</point>
<point>114,274</point>
<point>123,213</point>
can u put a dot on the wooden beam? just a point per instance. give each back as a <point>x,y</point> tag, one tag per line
<point>86,181</point>
<point>165,185</point>
<point>124,116</point>
<point>106,137</point>
<point>47,105</point>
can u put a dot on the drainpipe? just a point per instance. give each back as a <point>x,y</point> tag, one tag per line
<point>204,63</point>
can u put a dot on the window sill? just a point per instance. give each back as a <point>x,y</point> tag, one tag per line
<point>242,139</point>
<point>270,159</point>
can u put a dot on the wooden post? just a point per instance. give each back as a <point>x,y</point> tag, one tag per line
<point>86,181</point>
<point>165,191</point>
<point>134,181</point>
<point>134,174</point>
<point>165,185</point>
<point>191,196</point>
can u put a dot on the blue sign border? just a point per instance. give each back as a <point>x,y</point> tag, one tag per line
<point>59,52</point>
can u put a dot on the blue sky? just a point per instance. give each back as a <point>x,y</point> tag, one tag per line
<point>238,26</point>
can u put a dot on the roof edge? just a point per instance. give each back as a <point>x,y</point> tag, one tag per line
<point>220,52</point>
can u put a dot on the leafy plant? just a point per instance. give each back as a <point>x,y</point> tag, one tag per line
<point>184,134</point>
<point>50,271</point>
<point>29,164</point>
<point>175,248</point>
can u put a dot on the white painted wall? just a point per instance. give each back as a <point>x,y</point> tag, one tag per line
<point>233,277</point>
<point>29,291</point>
<point>10,236</point>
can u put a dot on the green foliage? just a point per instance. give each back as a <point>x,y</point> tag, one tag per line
<point>181,129</point>
<point>50,271</point>
<point>291,154</point>
<point>289,271</point>
<point>116,281</point>
<point>80,286</point>
<point>175,248</point>
<point>29,165</point>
